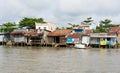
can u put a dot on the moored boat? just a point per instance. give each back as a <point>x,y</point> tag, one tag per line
<point>80,46</point>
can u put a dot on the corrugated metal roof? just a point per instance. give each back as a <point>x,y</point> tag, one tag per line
<point>118,32</point>
<point>114,30</point>
<point>30,32</point>
<point>75,35</point>
<point>63,32</point>
<point>101,35</point>
<point>17,32</point>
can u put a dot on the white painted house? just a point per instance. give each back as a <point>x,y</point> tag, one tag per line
<point>48,26</point>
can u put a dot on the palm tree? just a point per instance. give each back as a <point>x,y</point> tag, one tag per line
<point>88,20</point>
<point>104,26</point>
<point>73,25</point>
<point>105,22</point>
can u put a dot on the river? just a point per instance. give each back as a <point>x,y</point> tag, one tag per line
<point>58,60</point>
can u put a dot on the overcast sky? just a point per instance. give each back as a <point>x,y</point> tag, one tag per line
<point>60,12</point>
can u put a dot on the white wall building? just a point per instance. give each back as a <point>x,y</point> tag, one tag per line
<point>47,26</point>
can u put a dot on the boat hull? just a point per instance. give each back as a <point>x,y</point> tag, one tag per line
<point>80,46</point>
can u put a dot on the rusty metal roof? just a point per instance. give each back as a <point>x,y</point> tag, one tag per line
<point>30,32</point>
<point>63,32</point>
<point>101,35</point>
<point>17,32</point>
<point>114,29</point>
<point>75,35</point>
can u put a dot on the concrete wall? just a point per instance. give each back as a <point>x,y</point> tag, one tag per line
<point>48,26</point>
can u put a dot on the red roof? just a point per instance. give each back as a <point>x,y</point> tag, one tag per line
<point>17,32</point>
<point>114,30</point>
<point>75,35</point>
<point>30,32</point>
<point>63,32</point>
<point>118,32</point>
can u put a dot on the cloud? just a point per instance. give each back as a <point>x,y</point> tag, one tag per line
<point>38,5</point>
<point>60,12</point>
<point>89,7</point>
<point>9,10</point>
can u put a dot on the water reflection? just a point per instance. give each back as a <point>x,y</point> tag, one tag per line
<point>58,60</point>
<point>103,51</point>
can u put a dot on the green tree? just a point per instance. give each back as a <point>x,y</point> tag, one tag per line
<point>72,25</point>
<point>8,27</point>
<point>104,26</point>
<point>105,23</point>
<point>30,22</point>
<point>88,20</point>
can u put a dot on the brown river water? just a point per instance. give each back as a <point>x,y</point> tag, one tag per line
<point>58,60</point>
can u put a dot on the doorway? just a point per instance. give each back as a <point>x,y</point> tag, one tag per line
<point>57,39</point>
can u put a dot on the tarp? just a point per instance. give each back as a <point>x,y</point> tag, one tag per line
<point>70,40</point>
<point>78,30</point>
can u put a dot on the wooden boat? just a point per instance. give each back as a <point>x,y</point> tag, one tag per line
<point>80,46</point>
